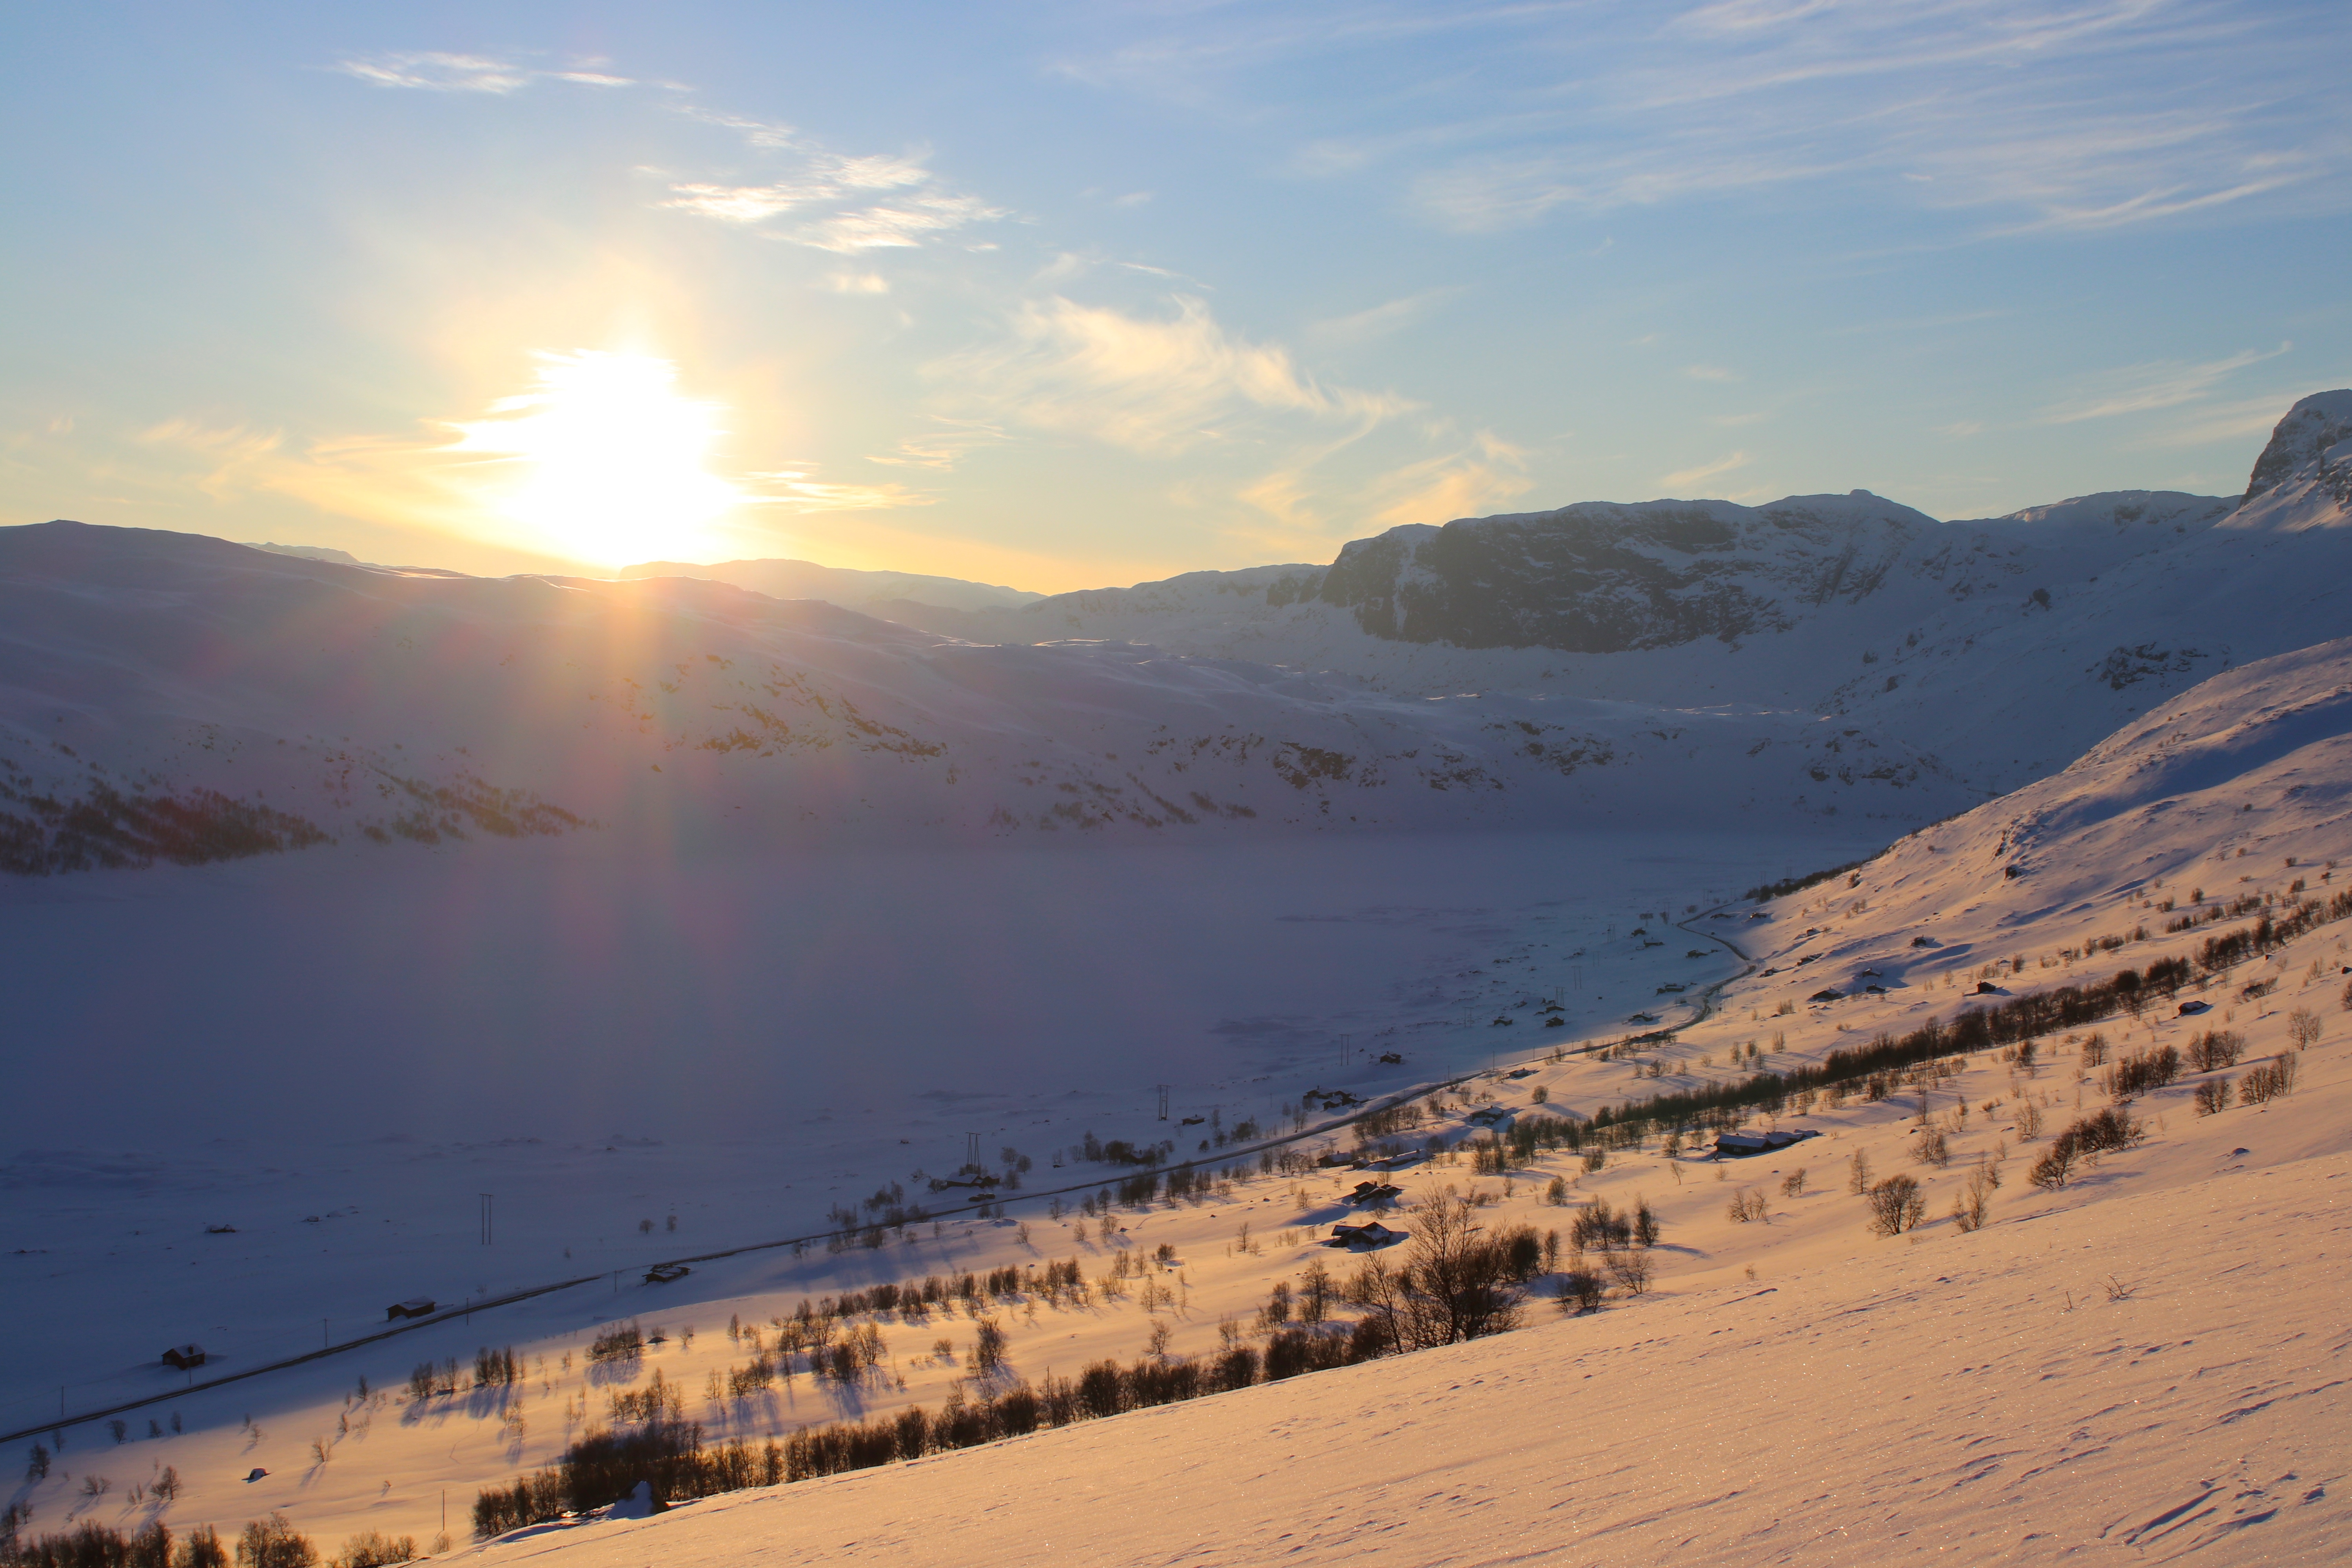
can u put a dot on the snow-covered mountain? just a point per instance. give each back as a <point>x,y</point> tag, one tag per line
<point>2242,784</point>
<point>167,696</point>
<point>2003,646</point>
<point>874,593</point>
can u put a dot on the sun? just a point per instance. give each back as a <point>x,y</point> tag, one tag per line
<point>603,460</point>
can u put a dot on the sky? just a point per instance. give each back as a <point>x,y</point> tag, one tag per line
<point>1064,295</point>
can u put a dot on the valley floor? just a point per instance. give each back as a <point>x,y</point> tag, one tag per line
<point>2146,1361</point>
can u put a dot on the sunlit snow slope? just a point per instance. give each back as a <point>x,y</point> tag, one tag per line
<point>2145,1360</point>
<point>2183,810</point>
<point>1974,1399</point>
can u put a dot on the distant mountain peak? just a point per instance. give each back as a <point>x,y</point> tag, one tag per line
<point>2310,448</point>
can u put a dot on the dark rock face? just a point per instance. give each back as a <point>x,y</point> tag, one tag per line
<point>1603,578</point>
<point>2299,446</point>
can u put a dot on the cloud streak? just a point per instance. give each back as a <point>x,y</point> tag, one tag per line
<point>844,203</point>
<point>2142,388</point>
<point>831,196</point>
<point>2017,115</point>
<point>1681,478</point>
<point>794,491</point>
<point>432,71</point>
<point>1157,385</point>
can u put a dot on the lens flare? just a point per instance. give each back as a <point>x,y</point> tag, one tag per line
<point>604,460</point>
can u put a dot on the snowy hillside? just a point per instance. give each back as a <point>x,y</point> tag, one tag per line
<point>866,592</point>
<point>169,696</point>
<point>1784,1375</point>
<point>2244,781</point>
<point>1977,1399</point>
<point>2002,646</point>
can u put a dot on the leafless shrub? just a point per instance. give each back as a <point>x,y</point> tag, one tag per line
<point>2142,1071</point>
<point>2029,1120</point>
<point>1932,1149</point>
<point>2268,1081</point>
<point>2213,1096</point>
<point>1630,1267</point>
<point>1975,1202</point>
<point>620,1342</point>
<point>373,1549</point>
<point>1458,1282</point>
<point>2214,1050</point>
<point>2055,1167</point>
<point>1896,1205</point>
<point>2106,1130</point>
<point>2094,1049</point>
<point>274,1542</point>
<point>1581,1290</point>
<point>1857,1174</point>
<point>2303,1028</point>
<point>1747,1205</point>
<point>1793,1183</point>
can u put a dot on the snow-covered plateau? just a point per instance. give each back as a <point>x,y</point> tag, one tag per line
<point>384,934</point>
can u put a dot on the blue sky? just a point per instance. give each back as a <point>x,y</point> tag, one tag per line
<point>1060,295</point>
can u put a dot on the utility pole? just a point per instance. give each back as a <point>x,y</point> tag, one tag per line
<point>971,1149</point>
<point>1164,1101</point>
<point>487,1200</point>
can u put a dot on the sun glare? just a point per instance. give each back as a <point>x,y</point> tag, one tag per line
<point>604,461</point>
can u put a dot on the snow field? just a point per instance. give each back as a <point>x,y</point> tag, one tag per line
<point>389,1462</point>
<point>388,1470</point>
<point>2149,1361</point>
<point>1977,1398</point>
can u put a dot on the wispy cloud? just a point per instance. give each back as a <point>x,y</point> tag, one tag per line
<point>2233,421</point>
<point>1380,320</point>
<point>941,448</point>
<point>829,198</point>
<point>434,72</point>
<point>895,225</point>
<point>1152,385</point>
<point>795,491</point>
<point>831,192</point>
<point>1682,478</point>
<point>2020,114</point>
<point>1709,372</point>
<point>1471,482</point>
<point>823,178</point>
<point>232,457</point>
<point>2163,383</point>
